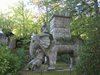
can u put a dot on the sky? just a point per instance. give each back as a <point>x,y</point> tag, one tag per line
<point>4,4</point>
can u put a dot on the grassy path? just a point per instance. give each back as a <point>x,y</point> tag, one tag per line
<point>63,65</point>
<point>48,73</point>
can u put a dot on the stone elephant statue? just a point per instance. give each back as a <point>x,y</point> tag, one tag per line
<point>42,46</point>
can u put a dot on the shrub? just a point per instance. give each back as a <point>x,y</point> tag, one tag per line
<point>23,42</point>
<point>89,61</point>
<point>9,62</point>
<point>63,57</point>
<point>88,29</point>
<point>23,56</point>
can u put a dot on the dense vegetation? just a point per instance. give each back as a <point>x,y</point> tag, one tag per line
<point>10,63</point>
<point>89,53</point>
<point>85,20</point>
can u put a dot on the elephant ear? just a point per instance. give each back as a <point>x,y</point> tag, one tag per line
<point>44,41</point>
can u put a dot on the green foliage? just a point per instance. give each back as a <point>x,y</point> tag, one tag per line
<point>63,57</point>
<point>23,56</point>
<point>88,29</point>
<point>20,21</point>
<point>23,21</point>
<point>12,63</point>
<point>89,62</point>
<point>49,73</point>
<point>85,26</point>
<point>24,42</point>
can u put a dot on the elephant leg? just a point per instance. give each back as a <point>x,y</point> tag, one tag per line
<point>72,62</point>
<point>52,59</point>
<point>48,61</point>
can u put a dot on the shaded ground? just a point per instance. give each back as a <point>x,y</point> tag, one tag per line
<point>48,73</point>
<point>58,66</point>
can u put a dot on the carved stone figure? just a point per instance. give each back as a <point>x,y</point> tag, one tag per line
<point>8,39</point>
<point>3,38</point>
<point>36,62</point>
<point>39,43</point>
<point>12,42</point>
<point>50,45</point>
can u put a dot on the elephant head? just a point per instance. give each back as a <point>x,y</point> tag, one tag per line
<point>37,50</point>
<point>39,41</point>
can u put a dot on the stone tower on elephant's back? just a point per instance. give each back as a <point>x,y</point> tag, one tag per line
<point>59,28</point>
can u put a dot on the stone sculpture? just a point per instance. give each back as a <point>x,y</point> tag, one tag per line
<point>3,38</point>
<point>50,44</point>
<point>36,62</point>
<point>12,41</point>
<point>8,39</point>
<point>38,48</point>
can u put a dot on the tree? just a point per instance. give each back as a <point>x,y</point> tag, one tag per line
<point>23,20</point>
<point>20,20</point>
<point>5,22</point>
<point>87,27</point>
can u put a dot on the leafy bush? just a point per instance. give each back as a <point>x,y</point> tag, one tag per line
<point>63,57</point>
<point>9,63</point>
<point>89,61</point>
<point>23,56</point>
<point>23,42</point>
<point>89,55</point>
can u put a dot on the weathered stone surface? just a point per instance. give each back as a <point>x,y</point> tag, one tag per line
<point>37,61</point>
<point>59,27</point>
<point>59,22</point>
<point>38,46</point>
<point>3,38</point>
<point>60,33</point>
<point>64,48</point>
<point>44,40</point>
<point>62,30</point>
<point>12,42</point>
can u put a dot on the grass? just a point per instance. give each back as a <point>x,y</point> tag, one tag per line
<point>49,73</point>
<point>61,64</point>
<point>58,65</point>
